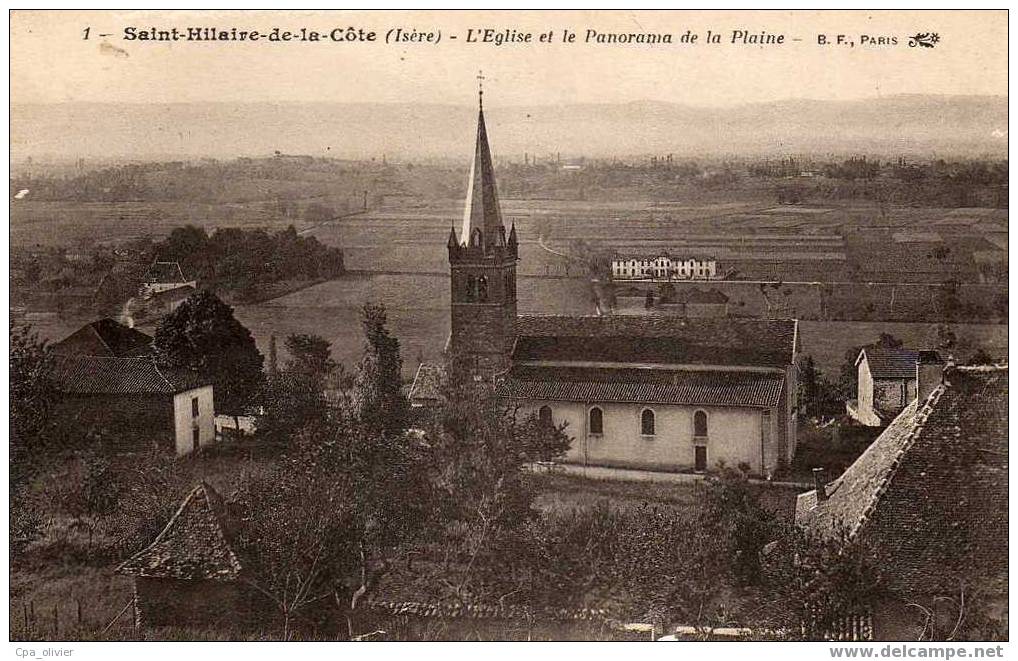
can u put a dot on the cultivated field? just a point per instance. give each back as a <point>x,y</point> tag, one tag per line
<point>397,256</point>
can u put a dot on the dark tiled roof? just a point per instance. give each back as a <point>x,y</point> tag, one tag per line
<point>427,383</point>
<point>102,375</point>
<point>931,492</point>
<point>651,386</point>
<point>164,273</point>
<point>196,544</point>
<point>105,337</point>
<point>697,296</point>
<point>891,363</point>
<point>656,339</point>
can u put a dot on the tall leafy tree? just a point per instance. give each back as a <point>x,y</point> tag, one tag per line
<point>203,335</point>
<point>32,397</point>
<point>379,383</point>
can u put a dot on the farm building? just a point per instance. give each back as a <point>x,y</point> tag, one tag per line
<point>157,304</point>
<point>693,302</point>
<point>191,575</point>
<point>133,403</point>
<point>163,276</point>
<point>655,392</point>
<point>887,382</point>
<point>105,337</point>
<point>929,498</point>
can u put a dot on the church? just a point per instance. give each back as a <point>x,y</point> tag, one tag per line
<point>647,392</point>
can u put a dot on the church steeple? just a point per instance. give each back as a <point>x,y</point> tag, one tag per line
<point>482,263</point>
<point>482,217</point>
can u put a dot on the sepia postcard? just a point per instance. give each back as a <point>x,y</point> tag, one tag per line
<point>509,325</point>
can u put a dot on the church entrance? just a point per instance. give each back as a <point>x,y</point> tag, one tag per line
<point>700,463</point>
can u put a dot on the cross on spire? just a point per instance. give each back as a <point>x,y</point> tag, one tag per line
<point>480,89</point>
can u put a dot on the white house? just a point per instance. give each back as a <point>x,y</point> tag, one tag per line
<point>132,403</point>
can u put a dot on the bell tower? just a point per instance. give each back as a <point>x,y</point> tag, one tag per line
<point>482,260</point>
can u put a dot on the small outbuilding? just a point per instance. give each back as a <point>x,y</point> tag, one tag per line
<point>192,574</point>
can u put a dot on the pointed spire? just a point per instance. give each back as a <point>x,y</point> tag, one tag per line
<point>513,241</point>
<point>482,209</point>
<point>452,238</point>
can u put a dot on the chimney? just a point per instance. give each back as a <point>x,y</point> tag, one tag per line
<point>820,482</point>
<point>929,373</point>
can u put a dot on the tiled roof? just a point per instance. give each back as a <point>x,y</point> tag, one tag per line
<point>427,383</point>
<point>103,375</point>
<point>698,296</point>
<point>656,339</point>
<point>891,363</point>
<point>164,273</point>
<point>105,337</point>
<point>196,544</point>
<point>651,386</point>
<point>931,492</point>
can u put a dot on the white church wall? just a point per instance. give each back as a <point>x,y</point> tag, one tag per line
<point>734,436</point>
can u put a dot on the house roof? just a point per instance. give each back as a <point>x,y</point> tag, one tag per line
<point>890,363</point>
<point>650,386</point>
<point>175,294</point>
<point>103,375</point>
<point>105,337</point>
<point>196,544</point>
<point>695,295</point>
<point>164,273</point>
<point>427,382</point>
<point>931,491</point>
<point>656,339</point>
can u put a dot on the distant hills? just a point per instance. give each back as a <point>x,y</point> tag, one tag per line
<point>912,125</point>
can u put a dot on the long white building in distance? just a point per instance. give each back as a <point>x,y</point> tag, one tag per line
<point>663,266</point>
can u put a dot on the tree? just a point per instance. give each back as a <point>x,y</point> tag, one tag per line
<point>732,512</point>
<point>379,383</point>
<point>478,448</point>
<point>818,395</point>
<point>32,397</point>
<point>291,401</point>
<point>203,336</point>
<point>309,354</point>
<point>323,526</point>
<point>816,581</point>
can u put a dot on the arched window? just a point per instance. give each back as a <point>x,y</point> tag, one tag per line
<point>700,424</point>
<point>647,422</point>
<point>475,237</point>
<point>482,289</point>
<point>596,423</point>
<point>471,293</point>
<point>544,416</point>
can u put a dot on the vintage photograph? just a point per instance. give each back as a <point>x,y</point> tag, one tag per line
<point>519,325</point>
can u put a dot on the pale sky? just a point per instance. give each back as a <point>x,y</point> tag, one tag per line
<point>51,62</point>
